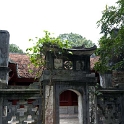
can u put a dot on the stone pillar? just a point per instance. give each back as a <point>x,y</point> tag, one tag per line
<point>4,54</point>
<point>80,109</point>
<point>1,109</point>
<point>48,104</point>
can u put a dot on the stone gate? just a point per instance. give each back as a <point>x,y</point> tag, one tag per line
<point>68,72</point>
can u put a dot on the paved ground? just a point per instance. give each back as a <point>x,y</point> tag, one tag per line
<point>69,119</point>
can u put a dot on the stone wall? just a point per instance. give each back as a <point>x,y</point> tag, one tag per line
<point>118,78</point>
<point>21,106</point>
<point>110,107</point>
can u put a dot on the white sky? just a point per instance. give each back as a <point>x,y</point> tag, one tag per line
<point>25,19</point>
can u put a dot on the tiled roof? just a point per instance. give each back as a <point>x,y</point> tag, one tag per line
<point>22,61</point>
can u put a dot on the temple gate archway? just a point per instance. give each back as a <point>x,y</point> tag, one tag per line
<point>67,72</point>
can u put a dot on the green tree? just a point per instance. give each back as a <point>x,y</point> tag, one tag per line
<point>42,46</point>
<point>111,44</point>
<point>76,39</point>
<point>13,48</point>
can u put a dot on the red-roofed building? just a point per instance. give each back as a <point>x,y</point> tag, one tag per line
<point>19,74</point>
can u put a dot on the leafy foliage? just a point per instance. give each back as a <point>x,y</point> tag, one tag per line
<point>76,39</point>
<point>44,44</point>
<point>111,44</point>
<point>13,48</point>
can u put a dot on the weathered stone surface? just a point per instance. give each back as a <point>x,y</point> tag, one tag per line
<point>4,48</point>
<point>110,109</point>
<point>49,105</point>
<point>105,80</point>
<point>20,107</point>
<point>118,78</point>
<point>4,53</point>
<point>68,75</point>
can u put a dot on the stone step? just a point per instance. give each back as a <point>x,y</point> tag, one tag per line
<point>68,116</point>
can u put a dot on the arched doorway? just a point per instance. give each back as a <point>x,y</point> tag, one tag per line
<point>70,109</point>
<point>68,98</point>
